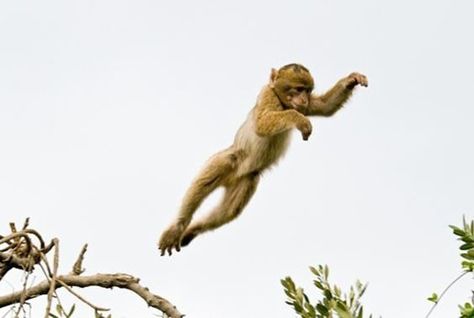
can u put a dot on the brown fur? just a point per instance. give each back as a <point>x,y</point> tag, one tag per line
<point>260,142</point>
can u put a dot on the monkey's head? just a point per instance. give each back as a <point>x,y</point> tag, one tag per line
<point>293,85</point>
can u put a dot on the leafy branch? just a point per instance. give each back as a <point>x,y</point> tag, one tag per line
<point>334,301</point>
<point>466,236</point>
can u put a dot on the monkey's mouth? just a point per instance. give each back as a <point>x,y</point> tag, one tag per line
<point>299,107</point>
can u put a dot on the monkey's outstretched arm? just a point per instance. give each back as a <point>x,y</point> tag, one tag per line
<point>330,102</point>
<point>270,122</point>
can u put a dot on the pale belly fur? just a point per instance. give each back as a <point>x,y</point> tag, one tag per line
<point>258,153</point>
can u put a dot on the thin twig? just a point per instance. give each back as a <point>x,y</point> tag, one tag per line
<point>44,270</point>
<point>26,224</point>
<point>23,293</point>
<point>52,283</point>
<point>444,292</point>
<point>77,267</point>
<point>48,272</point>
<point>69,289</point>
<point>13,227</point>
<point>10,310</point>
<point>47,248</point>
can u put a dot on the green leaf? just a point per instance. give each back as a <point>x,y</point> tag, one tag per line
<point>326,271</point>
<point>284,282</point>
<point>59,309</point>
<point>468,256</point>
<point>319,285</point>
<point>344,314</point>
<point>457,231</point>
<point>290,295</point>
<point>362,290</point>
<point>299,295</point>
<point>314,270</point>
<point>71,311</point>
<point>322,309</point>
<point>312,311</point>
<point>341,306</point>
<point>467,239</point>
<point>298,307</point>
<point>327,293</point>
<point>469,266</point>
<point>434,298</point>
<point>467,246</point>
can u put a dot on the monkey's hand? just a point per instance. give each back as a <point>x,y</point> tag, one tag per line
<point>171,239</point>
<point>304,126</point>
<point>355,79</point>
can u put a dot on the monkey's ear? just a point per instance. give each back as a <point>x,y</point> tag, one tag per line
<point>273,77</point>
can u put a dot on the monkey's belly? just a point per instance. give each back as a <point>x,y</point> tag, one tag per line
<point>262,152</point>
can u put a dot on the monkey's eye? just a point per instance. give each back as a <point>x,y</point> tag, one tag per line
<point>300,89</point>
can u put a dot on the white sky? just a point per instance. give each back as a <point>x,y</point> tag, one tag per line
<point>108,110</point>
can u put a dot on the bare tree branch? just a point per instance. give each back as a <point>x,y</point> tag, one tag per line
<point>119,280</point>
<point>19,252</point>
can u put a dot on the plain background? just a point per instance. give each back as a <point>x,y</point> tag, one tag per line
<point>109,108</point>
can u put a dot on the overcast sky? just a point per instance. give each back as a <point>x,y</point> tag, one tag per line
<point>109,108</point>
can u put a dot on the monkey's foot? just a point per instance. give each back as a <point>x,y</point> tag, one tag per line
<point>171,239</point>
<point>188,237</point>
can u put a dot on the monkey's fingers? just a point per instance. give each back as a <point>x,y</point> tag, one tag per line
<point>360,79</point>
<point>363,80</point>
<point>165,246</point>
<point>306,134</point>
<point>168,246</point>
<point>162,248</point>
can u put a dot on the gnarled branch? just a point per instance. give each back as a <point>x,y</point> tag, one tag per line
<point>119,280</point>
<point>17,251</point>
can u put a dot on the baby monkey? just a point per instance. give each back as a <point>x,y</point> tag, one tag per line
<point>283,104</point>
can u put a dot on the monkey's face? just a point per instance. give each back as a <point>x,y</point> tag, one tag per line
<point>297,97</point>
<point>293,85</point>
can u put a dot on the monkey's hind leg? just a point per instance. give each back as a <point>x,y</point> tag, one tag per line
<point>236,197</point>
<point>214,173</point>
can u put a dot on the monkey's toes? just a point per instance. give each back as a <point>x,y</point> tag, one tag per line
<point>168,248</point>
<point>167,245</point>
